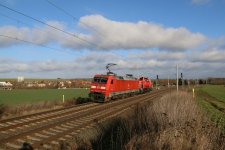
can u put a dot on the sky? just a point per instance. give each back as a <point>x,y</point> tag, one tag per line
<point>77,39</point>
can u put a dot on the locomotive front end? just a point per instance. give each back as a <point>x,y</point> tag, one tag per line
<point>98,91</point>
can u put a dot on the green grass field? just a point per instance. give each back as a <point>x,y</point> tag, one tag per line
<point>211,99</point>
<point>18,97</point>
<point>217,91</point>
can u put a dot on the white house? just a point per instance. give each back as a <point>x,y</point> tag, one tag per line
<point>6,85</point>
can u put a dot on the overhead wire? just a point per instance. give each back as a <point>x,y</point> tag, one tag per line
<point>29,42</point>
<point>64,11</point>
<point>38,28</point>
<point>6,16</point>
<point>21,22</point>
<point>51,26</point>
<point>72,16</point>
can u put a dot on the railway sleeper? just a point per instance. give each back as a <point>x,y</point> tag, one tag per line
<point>47,146</point>
<point>41,135</point>
<point>12,145</point>
<point>33,138</point>
<point>55,142</point>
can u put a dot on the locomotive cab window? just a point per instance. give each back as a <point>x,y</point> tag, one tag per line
<point>111,81</point>
<point>100,80</point>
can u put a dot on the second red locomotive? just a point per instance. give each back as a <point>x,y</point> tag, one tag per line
<point>111,86</point>
<point>145,84</point>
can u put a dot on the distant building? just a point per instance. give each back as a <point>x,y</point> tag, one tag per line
<point>41,85</point>
<point>61,84</point>
<point>20,79</point>
<point>6,85</point>
<point>30,85</point>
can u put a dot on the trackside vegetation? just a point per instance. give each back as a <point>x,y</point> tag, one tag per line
<point>172,122</point>
<point>211,99</point>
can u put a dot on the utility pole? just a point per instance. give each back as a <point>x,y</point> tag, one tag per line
<point>182,81</point>
<point>177,77</point>
<point>168,81</point>
<point>157,78</point>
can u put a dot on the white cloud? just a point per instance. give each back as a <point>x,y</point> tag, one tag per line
<point>105,34</point>
<point>41,35</point>
<point>158,55</point>
<point>126,35</point>
<point>20,33</point>
<point>136,63</point>
<point>7,66</point>
<point>210,55</point>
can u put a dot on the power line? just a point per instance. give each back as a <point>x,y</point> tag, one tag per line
<point>19,21</point>
<point>64,11</point>
<point>29,42</point>
<point>6,16</point>
<point>70,15</point>
<point>32,18</point>
<point>38,28</point>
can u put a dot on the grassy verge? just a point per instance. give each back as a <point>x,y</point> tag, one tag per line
<point>211,99</point>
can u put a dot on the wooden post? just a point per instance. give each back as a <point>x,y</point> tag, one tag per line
<point>193,90</point>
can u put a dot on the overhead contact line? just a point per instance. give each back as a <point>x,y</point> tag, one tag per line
<point>51,26</point>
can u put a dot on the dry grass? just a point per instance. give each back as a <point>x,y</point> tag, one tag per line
<point>175,122</point>
<point>172,122</point>
<point>14,111</point>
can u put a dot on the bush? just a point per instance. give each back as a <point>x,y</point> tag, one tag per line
<point>75,101</point>
<point>2,110</point>
<point>112,136</point>
<point>81,100</point>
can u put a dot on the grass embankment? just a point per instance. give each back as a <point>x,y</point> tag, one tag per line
<point>31,96</point>
<point>172,122</point>
<point>211,99</point>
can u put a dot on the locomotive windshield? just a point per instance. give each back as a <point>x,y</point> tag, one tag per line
<point>100,80</point>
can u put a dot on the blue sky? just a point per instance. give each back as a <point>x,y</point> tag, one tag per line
<point>142,37</point>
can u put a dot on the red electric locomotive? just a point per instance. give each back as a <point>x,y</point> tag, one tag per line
<point>111,86</point>
<point>106,87</point>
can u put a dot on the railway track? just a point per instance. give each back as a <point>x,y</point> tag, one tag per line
<point>44,130</point>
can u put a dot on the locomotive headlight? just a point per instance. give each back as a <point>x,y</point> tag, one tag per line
<point>102,87</point>
<point>93,86</point>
